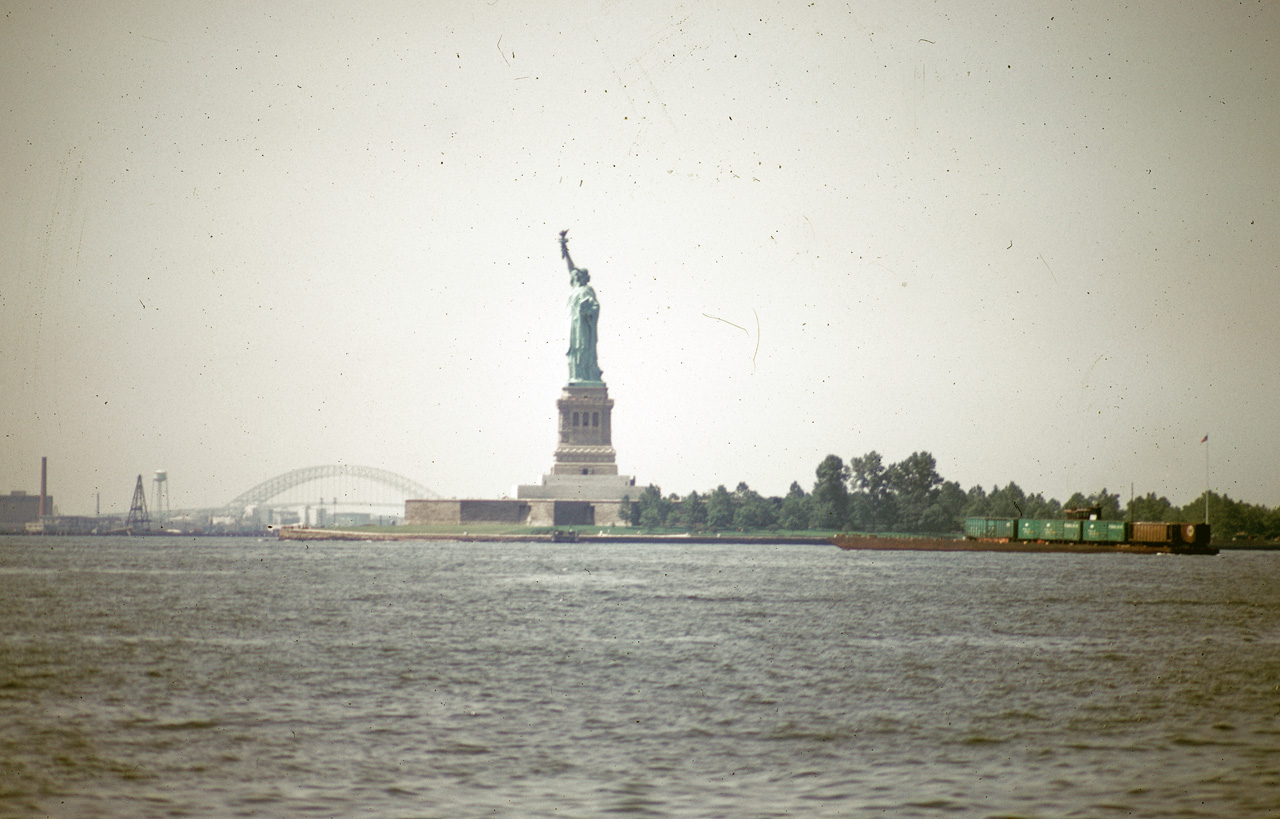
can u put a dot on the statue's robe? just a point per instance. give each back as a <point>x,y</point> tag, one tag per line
<point>584,312</point>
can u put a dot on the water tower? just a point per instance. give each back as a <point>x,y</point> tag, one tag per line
<point>160,495</point>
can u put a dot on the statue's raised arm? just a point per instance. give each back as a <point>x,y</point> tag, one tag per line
<point>564,249</point>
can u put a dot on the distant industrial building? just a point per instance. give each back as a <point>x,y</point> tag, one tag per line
<point>73,525</point>
<point>17,509</point>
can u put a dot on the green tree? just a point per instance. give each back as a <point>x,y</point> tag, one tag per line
<point>691,512</point>
<point>1007,502</point>
<point>752,512</point>
<point>945,509</point>
<point>653,509</point>
<point>1148,507</point>
<point>1109,502</point>
<point>976,503</point>
<point>1037,506</point>
<point>1232,519</point>
<point>871,489</point>
<point>720,509</point>
<point>1077,501</point>
<point>914,476</point>
<point>913,481</point>
<point>796,508</point>
<point>830,495</point>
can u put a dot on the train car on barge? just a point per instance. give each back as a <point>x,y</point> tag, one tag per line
<point>1081,531</point>
<point>1092,534</point>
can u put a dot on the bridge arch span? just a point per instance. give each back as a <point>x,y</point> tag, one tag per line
<point>272,487</point>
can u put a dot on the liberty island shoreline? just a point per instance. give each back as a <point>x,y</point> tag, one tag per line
<point>556,536</point>
<point>845,542</point>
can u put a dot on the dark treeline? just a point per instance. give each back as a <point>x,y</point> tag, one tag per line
<point>867,495</point>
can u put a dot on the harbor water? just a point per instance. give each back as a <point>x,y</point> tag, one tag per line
<point>152,677</point>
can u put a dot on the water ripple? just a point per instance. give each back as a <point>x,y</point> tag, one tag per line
<point>157,677</point>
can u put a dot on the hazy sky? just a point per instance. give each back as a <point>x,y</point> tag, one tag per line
<point>1037,239</point>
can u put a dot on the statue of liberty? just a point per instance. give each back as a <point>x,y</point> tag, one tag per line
<point>584,313</point>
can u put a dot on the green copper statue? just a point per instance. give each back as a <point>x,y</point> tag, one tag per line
<point>584,313</point>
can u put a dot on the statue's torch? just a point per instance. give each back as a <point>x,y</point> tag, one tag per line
<point>564,249</point>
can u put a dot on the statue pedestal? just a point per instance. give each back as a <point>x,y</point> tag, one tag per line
<point>583,487</point>
<point>585,466</point>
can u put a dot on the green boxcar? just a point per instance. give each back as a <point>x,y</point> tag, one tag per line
<point>989,527</point>
<point>1070,531</point>
<point>1104,531</point>
<point>1030,529</point>
<point>1048,530</point>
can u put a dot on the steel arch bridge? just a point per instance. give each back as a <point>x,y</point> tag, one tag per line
<point>268,489</point>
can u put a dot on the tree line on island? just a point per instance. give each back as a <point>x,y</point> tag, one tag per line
<point>867,495</point>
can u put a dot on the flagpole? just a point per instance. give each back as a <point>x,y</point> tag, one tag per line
<point>1206,479</point>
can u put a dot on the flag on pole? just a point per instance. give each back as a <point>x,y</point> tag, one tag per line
<point>1204,439</point>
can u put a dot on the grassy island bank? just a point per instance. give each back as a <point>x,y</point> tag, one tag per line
<point>496,532</point>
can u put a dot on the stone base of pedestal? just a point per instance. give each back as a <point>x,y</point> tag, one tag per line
<point>579,487</point>
<point>582,489</point>
<point>524,512</point>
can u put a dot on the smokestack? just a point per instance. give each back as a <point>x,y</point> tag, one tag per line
<point>44,482</point>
